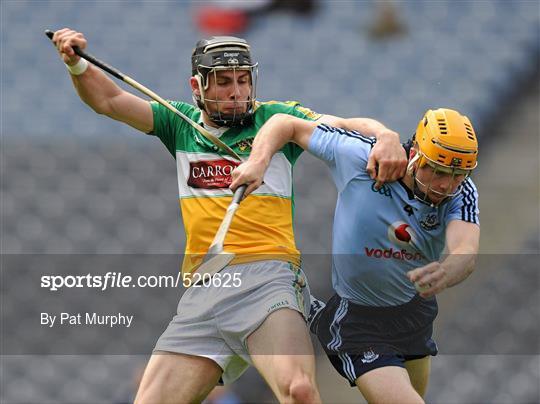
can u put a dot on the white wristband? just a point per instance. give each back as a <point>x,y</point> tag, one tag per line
<point>78,68</point>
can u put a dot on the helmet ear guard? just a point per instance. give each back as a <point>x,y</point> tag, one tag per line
<point>413,158</point>
<point>198,99</point>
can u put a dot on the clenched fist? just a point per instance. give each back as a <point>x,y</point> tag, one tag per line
<point>64,40</point>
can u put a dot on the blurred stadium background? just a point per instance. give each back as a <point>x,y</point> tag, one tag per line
<point>74,182</point>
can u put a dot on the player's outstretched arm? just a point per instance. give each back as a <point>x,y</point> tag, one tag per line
<point>98,91</point>
<point>279,130</point>
<point>462,242</point>
<point>388,160</point>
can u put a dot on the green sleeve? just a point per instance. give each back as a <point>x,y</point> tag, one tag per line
<point>168,126</point>
<point>303,112</point>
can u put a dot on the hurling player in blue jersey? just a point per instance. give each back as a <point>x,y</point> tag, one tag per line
<point>394,248</point>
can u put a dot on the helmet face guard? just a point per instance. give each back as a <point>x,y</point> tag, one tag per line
<point>450,175</point>
<point>224,54</point>
<point>220,118</point>
<point>446,142</point>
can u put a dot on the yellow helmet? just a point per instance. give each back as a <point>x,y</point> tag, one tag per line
<point>446,138</point>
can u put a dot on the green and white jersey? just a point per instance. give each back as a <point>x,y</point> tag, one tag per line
<point>263,225</point>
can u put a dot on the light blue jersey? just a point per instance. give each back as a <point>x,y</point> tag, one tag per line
<point>379,236</point>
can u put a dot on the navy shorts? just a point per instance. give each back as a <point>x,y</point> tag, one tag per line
<point>358,339</point>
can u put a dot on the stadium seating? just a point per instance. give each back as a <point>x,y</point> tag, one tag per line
<point>74,182</point>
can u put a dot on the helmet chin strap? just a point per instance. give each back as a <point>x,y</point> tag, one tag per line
<point>231,121</point>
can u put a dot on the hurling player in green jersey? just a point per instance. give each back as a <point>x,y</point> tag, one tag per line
<point>276,342</point>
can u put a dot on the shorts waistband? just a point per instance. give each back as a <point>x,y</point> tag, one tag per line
<point>416,303</point>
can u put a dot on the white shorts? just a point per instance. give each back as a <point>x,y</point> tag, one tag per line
<point>214,322</point>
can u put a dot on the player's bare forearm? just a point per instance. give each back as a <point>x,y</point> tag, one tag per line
<point>92,85</point>
<point>278,131</point>
<point>274,134</point>
<point>435,277</point>
<point>105,97</point>
<point>102,94</point>
<point>462,241</point>
<point>95,89</point>
<point>459,265</point>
